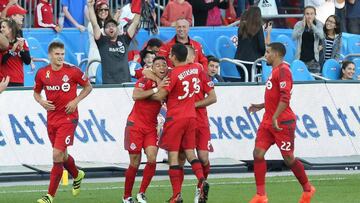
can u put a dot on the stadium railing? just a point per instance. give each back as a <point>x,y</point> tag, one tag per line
<point>238,63</point>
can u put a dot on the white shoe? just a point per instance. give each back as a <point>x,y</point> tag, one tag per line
<point>128,200</point>
<point>197,195</point>
<point>141,198</point>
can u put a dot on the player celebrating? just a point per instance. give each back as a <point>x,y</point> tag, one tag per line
<point>278,125</point>
<point>141,132</point>
<point>60,82</point>
<point>180,125</point>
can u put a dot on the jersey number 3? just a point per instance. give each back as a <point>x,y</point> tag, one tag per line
<point>186,87</point>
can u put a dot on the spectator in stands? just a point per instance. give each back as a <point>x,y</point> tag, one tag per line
<point>308,34</point>
<point>182,36</point>
<point>341,13</point>
<point>251,40</point>
<point>5,5</point>
<point>74,11</point>
<point>44,16</point>
<point>214,17</point>
<point>153,44</point>
<point>213,69</point>
<point>15,12</point>
<point>4,83</point>
<point>113,48</point>
<point>200,9</point>
<point>347,70</point>
<point>241,6</point>
<point>13,59</point>
<point>102,15</point>
<point>333,39</point>
<point>174,10</point>
<point>324,8</point>
<point>353,16</point>
<point>147,58</point>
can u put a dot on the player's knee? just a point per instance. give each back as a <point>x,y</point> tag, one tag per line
<point>151,158</point>
<point>289,160</point>
<point>204,159</point>
<point>258,154</point>
<point>135,160</point>
<point>58,156</point>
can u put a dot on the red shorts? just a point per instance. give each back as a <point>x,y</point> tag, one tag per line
<point>137,138</point>
<point>61,135</point>
<point>203,138</point>
<point>284,139</point>
<point>178,134</point>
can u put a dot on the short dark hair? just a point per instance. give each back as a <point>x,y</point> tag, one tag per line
<point>180,52</point>
<point>154,42</point>
<point>278,47</point>
<point>212,58</point>
<point>110,21</point>
<point>55,45</point>
<point>159,58</point>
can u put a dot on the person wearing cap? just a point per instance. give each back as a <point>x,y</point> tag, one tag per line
<point>15,12</point>
<point>113,47</point>
<point>74,12</point>
<point>44,16</point>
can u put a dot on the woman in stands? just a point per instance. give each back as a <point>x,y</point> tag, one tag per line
<point>17,53</point>
<point>333,37</point>
<point>251,42</point>
<point>102,14</point>
<point>347,70</point>
<point>309,34</point>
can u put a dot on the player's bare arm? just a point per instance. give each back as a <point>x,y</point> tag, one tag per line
<point>93,21</point>
<point>256,107</point>
<point>280,108</point>
<point>160,96</point>
<point>4,83</point>
<point>207,101</point>
<point>47,105</point>
<point>72,105</point>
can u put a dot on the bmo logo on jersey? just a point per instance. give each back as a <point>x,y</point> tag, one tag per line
<point>52,87</point>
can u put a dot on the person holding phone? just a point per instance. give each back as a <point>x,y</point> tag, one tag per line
<point>309,33</point>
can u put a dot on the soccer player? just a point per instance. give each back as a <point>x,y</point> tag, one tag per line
<point>141,132</point>
<point>60,81</point>
<point>180,125</point>
<point>278,125</point>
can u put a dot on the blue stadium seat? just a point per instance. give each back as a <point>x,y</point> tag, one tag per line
<point>229,71</point>
<point>36,51</point>
<point>300,72</point>
<point>98,79</point>
<point>224,47</point>
<point>357,68</point>
<point>353,44</point>
<point>207,51</point>
<point>265,72</point>
<point>331,69</point>
<point>289,45</point>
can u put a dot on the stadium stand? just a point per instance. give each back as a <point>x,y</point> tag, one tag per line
<point>300,72</point>
<point>207,51</point>
<point>331,69</point>
<point>357,68</point>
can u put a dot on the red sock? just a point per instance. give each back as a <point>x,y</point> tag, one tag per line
<point>260,171</point>
<point>175,179</point>
<point>182,175</point>
<point>70,166</point>
<point>148,173</point>
<point>136,6</point>
<point>130,175</point>
<point>55,177</point>
<point>299,171</point>
<point>197,169</point>
<point>206,170</point>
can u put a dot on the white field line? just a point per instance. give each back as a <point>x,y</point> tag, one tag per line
<point>167,186</point>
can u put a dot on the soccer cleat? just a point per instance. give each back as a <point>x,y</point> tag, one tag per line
<point>259,199</point>
<point>128,200</point>
<point>141,198</point>
<point>176,199</point>
<point>77,183</point>
<point>204,191</point>
<point>306,196</point>
<point>46,199</point>
<point>197,195</point>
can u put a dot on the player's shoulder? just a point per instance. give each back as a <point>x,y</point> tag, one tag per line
<point>43,70</point>
<point>144,82</point>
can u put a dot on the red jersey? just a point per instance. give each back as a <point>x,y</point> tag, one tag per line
<point>44,16</point>
<point>278,88</point>
<point>3,4</point>
<point>184,82</point>
<point>14,67</point>
<point>199,55</point>
<point>144,112</point>
<point>206,85</point>
<point>60,87</point>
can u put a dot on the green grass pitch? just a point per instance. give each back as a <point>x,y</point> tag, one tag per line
<point>280,189</point>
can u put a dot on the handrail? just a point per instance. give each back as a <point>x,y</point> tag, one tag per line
<point>85,60</point>
<point>89,64</point>
<point>318,76</point>
<point>238,63</point>
<point>45,60</point>
<point>254,67</point>
<point>270,16</point>
<point>351,55</point>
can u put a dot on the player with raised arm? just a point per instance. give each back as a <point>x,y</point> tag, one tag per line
<point>60,81</point>
<point>180,125</point>
<point>278,125</point>
<point>141,132</point>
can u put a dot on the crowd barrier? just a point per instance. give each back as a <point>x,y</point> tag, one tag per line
<point>328,123</point>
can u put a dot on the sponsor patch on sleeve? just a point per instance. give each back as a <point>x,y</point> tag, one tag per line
<point>283,84</point>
